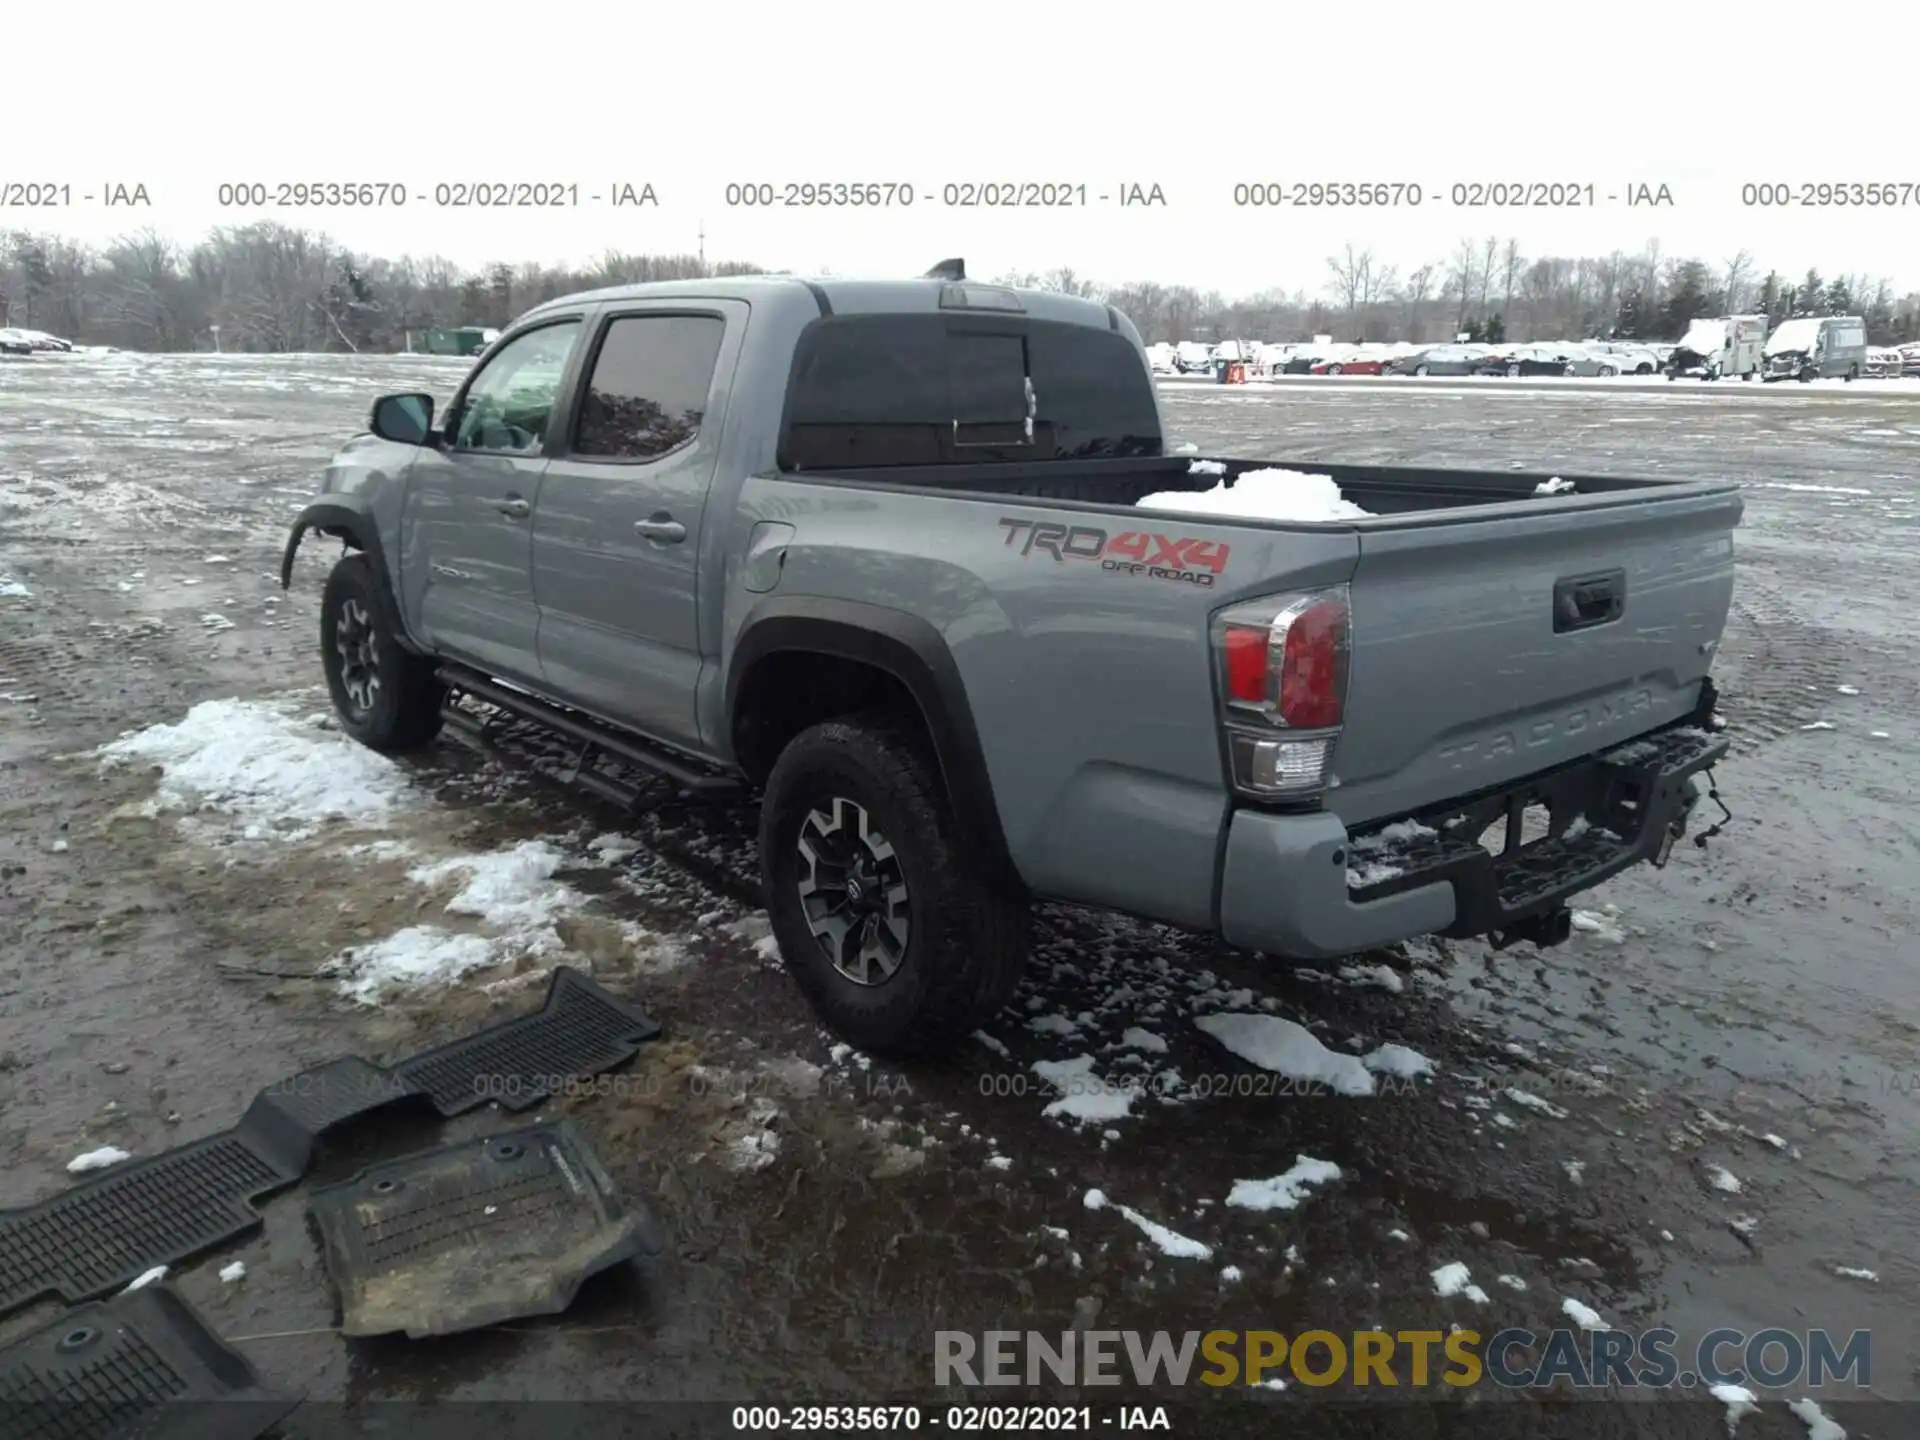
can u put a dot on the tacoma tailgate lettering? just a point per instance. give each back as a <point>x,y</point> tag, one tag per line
<point>1187,559</point>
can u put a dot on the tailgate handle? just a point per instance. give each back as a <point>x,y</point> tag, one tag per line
<point>1583,601</point>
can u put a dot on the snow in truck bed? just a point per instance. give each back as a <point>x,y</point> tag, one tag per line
<point>1261,495</point>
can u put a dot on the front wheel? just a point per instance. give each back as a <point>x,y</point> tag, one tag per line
<point>1422,370</point>
<point>1608,371</point>
<point>386,698</point>
<point>894,925</point>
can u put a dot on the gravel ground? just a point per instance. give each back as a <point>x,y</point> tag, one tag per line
<point>1746,1016</point>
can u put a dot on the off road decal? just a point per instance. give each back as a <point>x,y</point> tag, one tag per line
<point>1185,559</point>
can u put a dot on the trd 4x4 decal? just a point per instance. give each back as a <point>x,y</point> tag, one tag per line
<point>1187,559</point>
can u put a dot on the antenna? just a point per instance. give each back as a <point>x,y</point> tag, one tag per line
<point>955,269</point>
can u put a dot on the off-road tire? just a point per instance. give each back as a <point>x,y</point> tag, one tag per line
<point>405,710</point>
<point>967,928</point>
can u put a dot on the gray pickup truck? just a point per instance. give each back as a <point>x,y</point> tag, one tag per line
<point>871,552</point>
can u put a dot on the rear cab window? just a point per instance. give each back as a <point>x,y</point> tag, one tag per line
<point>646,390</point>
<point>888,390</point>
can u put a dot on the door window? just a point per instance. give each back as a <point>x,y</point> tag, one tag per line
<point>647,395</point>
<point>508,405</point>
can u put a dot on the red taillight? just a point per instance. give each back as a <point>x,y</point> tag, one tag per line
<point>1313,681</point>
<point>1247,678</point>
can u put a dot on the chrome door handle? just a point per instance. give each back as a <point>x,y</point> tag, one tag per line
<point>513,505</point>
<point>662,529</point>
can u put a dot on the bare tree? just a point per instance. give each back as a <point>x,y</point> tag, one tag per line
<point>1739,269</point>
<point>1352,277</point>
<point>1510,272</point>
<point>1463,274</point>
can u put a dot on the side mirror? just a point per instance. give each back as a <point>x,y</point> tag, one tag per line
<point>403,419</point>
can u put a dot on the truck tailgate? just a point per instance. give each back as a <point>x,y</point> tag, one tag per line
<point>1490,648</point>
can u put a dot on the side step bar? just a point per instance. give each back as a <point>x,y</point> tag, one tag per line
<point>590,734</point>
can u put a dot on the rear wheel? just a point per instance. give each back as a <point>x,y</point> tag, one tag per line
<point>386,698</point>
<point>899,933</point>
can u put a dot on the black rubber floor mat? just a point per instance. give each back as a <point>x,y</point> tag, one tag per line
<point>143,1364</point>
<point>99,1236</point>
<point>502,1228</point>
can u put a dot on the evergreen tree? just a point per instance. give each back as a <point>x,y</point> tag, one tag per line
<point>1811,296</point>
<point>1689,298</point>
<point>1627,323</point>
<point>1838,299</point>
<point>1496,330</point>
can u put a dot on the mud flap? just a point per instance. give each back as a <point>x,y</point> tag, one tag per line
<point>453,1239</point>
<point>143,1364</point>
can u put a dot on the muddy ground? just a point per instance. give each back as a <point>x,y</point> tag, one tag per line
<point>828,1214</point>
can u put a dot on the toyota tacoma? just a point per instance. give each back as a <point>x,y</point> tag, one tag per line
<point>871,554</point>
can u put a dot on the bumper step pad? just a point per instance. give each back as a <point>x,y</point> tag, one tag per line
<point>452,1239</point>
<point>1623,799</point>
<point>98,1237</point>
<point>142,1364</point>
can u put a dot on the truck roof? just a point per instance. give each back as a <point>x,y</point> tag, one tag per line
<point>844,297</point>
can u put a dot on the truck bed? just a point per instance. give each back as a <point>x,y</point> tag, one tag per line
<point>1396,494</point>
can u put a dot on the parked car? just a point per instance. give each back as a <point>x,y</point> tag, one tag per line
<point>724,531</point>
<point>1352,360</point>
<point>1591,360</point>
<point>15,342</point>
<point>1910,359</point>
<point>1630,359</point>
<point>1885,364</point>
<point>1437,360</point>
<point>1532,360</point>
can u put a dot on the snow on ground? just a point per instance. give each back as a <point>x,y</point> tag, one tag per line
<point>230,1273</point>
<point>273,775</point>
<point>1723,1179</point>
<point>1527,1100</point>
<point>512,892</point>
<point>1456,1279</point>
<point>1600,925</point>
<point>1555,486</point>
<point>1289,1049</point>
<point>1084,1096</point>
<point>1286,1191</point>
<point>1262,495</point>
<point>12,589</point>
<point>419,957</point>
<point>1584,1316</point>
<point>97,1159</point>
<point>1819,1425</point>
<point>1849,1272</point>
<point>1740,1402</point>
<point>146,1278</point>
<point>1165,1240</point>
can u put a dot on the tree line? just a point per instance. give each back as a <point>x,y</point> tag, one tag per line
<point>269,287</point>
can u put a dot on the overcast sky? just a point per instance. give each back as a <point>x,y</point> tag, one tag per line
<point>1192,98</point>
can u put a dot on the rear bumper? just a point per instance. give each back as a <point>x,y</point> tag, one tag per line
<point>1300,886</point>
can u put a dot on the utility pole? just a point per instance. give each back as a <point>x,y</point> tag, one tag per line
<point>703,246</point>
